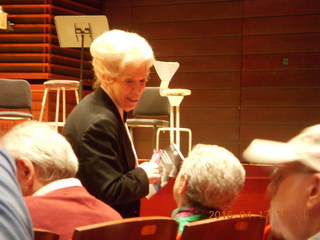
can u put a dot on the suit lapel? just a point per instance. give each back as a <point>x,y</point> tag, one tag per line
<point>126,149</point>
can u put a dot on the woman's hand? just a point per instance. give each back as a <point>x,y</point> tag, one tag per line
<point>152,170</point>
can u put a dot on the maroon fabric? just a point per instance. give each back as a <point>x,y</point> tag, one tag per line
<point>63,210</point>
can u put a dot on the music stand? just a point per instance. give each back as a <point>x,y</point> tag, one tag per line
<point>79,31</point>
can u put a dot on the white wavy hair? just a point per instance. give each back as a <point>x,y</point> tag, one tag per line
<point>215,177</point>
<point>48,150</point>
<point>114,50</point>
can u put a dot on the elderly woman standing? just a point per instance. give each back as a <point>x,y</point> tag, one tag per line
<point>96,127</point>
<point>209,181</point>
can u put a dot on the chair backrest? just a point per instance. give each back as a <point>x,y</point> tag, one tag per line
<point>138,228</point>
<point>240,227</point>
<point>152,103</point>
<point>42,234</point>
<point>15,98</point>
<point>15,94</point>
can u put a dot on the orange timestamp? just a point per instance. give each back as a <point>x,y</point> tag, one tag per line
<point>228,214</point>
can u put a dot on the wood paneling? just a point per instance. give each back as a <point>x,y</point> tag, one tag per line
<point>209,97</point>
<point>118,16</point>
<point>279,97</point>
<point>170,2</point>
<point>186,12</point>
<point>31,51</point>
<point>206,80</point>
<point>210,114</point>
<point>284,43</point>
<point>275,8</point>
<point>221,63</point>
<point>281,25</point>
<point>280,79</point>
<point>276,115</point>
<point>279,132</point>
<point>199,46</point>
<point>189,29</point>
<point>280,70</point>
<point>253,66</point>
<point>271,62</point>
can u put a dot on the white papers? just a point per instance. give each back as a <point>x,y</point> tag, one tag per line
<point>169,161</point>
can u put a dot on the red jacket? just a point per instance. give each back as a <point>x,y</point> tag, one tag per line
<point>62,210</point>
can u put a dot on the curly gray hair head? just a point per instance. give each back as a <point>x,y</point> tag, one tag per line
<point>48,150</point>
<point>215,177</point>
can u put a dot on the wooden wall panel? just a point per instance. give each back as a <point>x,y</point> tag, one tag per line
<point>279,97</point>
<point>208,132</point>
<point>205,38</point>
<point>118,16</point>
<point>109,4</point>
<point>276,115</point>
<point>206,80</point>
<point>34,30</point>
<point>220,63</point>
<point>277,8</point>
<point>280,79</point>
<point>279,132</point>
<point>31,51</point>
<point>284,43</point>
<point>280,69</point>
<point>201,80</point>
<point>192,11</point>
<point>167,2</point>
<point>281,25</point>
<point>271,62</point>
<point>209,97</point>
<point>252,66</point>
<point>198,46</point>
<point>188,29</point>
<point>210,114</point>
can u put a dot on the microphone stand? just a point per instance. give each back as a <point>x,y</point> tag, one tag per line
<point>82,32</point>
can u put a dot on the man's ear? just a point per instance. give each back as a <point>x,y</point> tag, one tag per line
<point>25,171</point>
<point>314,192</point>
<point>183,184</point>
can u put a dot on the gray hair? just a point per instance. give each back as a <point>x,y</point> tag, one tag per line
<point>114,50</point>
<point>215,177</point>
<point>48,150</point>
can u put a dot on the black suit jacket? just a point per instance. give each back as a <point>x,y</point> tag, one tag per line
<point>106,159</point>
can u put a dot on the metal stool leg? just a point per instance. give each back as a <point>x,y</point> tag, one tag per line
<point>188,130</point>
<point>59,85</point>
<point>43,103</point>
<point>77,95</point>
<point>57,109</point>
<point>171,124</point>
<point>178,126</point>
<point>64,113</point>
